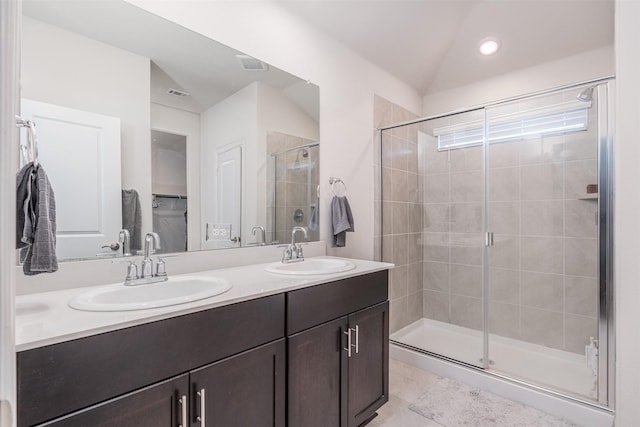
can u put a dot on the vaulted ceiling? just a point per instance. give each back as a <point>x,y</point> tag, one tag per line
<point>433,44</point>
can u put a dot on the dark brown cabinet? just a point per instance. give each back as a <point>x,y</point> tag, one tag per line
<point>317,367</point>
<point>317,356</point>
<point>247,389</point>
<point>338,370</point>
<point>243,390</point>
<point>83,374</point>
<point>368,371</point>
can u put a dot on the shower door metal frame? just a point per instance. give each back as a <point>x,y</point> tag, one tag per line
<point>606,322</point>
<point>605,87</point>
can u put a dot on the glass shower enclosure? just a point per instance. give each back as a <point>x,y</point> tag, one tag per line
<point>497,220</point>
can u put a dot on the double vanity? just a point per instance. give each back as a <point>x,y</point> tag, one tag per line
<point>301,344</point>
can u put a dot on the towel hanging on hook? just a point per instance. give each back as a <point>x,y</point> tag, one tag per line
<point>333,181</point>
<point>28,150</point>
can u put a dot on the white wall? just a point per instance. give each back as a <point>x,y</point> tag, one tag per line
<point>577,68</point>
<point>347,84</point>
<point>64,68</point>
<point>185,123</point>
<point>627,213</point>
<point>169,166</point>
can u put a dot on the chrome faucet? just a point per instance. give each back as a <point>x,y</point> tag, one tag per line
<point>262,234</point>
<point>293,252</point>
<point>151,243</point>
<point>124,238</point>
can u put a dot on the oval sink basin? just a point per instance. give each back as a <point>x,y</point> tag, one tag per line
<point>174,291</point>
<point>311,266</point>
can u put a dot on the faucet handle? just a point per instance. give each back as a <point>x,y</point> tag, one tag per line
<point>287,254</point>
<point>132,269</point>
<point>299,253</point>
<point>161,266</point>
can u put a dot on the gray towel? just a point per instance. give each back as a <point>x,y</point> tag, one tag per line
<point>314,224</point>
<point>36,220</point>
<point>23,213</point>
<point>132,217</point>
<point>341,220</point>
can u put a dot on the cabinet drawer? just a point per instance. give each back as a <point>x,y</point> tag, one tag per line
<point>61,378</point>
<point>154,406</point>
<point>318,304</point>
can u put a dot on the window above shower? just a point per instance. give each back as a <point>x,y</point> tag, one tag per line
<point>557,119</point>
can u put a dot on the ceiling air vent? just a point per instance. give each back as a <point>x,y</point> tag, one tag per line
<point>177,92</point>
<point>249,63</point>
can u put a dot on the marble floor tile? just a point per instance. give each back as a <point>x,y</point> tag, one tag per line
<point>406,386</point>
<point>396,413</point>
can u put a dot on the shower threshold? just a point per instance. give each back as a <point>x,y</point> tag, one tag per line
<point>562,371</point>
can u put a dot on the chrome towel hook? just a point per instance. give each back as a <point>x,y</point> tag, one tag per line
<point>29,150</point>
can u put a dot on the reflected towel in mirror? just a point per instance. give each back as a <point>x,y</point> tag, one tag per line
<point>132,217</point>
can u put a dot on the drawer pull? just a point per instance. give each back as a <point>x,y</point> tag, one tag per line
<point>348,347</point>
<point>203,401</point>
<point>349,342</point>
<point>357,329</point>
<point>183,411</point>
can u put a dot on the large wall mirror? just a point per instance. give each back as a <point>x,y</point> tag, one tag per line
<point>144,125</point>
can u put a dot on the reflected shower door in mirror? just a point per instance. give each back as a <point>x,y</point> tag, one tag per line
<point>294,180</point>
<point>213,96</point>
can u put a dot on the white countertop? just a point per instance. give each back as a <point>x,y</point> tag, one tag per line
<point>45,318</point>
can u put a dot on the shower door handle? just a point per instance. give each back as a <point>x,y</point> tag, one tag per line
<point>488,239</point>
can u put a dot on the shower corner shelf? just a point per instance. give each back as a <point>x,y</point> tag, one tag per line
<point>588,196</point>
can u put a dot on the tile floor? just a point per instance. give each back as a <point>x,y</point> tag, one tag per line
<point>406,384</point>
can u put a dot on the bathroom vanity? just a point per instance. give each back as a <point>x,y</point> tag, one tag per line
<point>272,351</point>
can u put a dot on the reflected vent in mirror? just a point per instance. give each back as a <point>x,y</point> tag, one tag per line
<point>177,92</point>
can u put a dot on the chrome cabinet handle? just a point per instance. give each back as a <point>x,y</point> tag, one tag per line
<point>183,410</point>
<point>348,347</point>
<point>357,329</point>
<point>203,401</point>
<point>349,343</point>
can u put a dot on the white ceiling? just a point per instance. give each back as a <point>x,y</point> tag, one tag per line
<point>432,44</point>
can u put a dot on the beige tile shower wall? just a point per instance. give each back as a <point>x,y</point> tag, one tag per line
<point>400,204</point>
<point>542,269</point>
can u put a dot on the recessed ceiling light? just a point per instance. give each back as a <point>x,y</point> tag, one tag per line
<point>489,46</point>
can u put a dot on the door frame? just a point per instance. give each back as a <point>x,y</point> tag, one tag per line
<point>10,21</point>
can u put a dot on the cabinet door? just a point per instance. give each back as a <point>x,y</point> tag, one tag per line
<point>317,367</point>
<point>369,364</point>
<point>247,389</point>
<point>160,405</point>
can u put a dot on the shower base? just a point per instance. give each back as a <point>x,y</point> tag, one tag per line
<point>561,371</point>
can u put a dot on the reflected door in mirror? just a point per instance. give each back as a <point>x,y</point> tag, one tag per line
<point>227,202</point>
<point>80,152</point>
